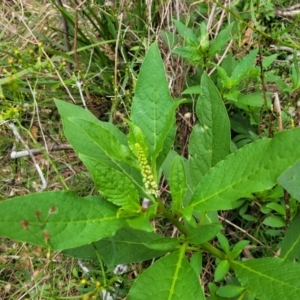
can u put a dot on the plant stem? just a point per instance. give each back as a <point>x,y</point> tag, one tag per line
<point>206,246</point>
<point>166,213</point>
<point>213,250</point>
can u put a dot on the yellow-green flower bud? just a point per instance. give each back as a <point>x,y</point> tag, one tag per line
<point>148,179</point>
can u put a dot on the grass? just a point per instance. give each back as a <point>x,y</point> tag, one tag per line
<point>108,42</point>
<point>27,273</point>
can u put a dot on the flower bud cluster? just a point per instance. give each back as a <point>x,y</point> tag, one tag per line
<point>148,180</point>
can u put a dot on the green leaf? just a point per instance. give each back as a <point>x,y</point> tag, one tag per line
<point>152,102</point>
<point>166,168</point>
<point>213,292</point>
<point>165,244</point>
<point>106,141</point>
<point>190,53</point>
<point>269,60</point>
<point>196,89</point>
<point>230,291</point>
<point>79,138</point>
<point>169,38</point>
<point>221,270</point>
<point>224,243</point>
<point>242,70</point>
<point>196,262</point>
<point>59,220</point>
<point>178,184</point>
<point>220,40</point>
<point>225,80</point>
<point>128,245</point>
<point>249,218</point>
<point>253,100</point>
<point>232,95</point>
<point>290,180</point>
<point>184,31</point>
<point>142,220</point>
<point>237,249</point>
<point>210,139</point>
<point>253,168</point>
<point>290,247</point>
<point>136,136</point>
<point>108,149</point>
<point>229,64</point>
<point>277,207</point>
<point>166,140</point>
<point>203,44</point>
<point>85,140</point>
<point>274,221</point>
<point>269,278</point>
<point>241,124</point>
<point>171,277</point>
<point>204,233</point>
<point>113,185</point>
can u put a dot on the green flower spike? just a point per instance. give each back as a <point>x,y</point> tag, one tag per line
<point>148,179</point>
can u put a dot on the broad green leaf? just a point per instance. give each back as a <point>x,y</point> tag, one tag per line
<point>237,249</point>
<point>213,292</point>
<point>290,247</point>
<point>249,218</point>
<point>164,244</point>
<point>229,64</point>
<point>166,139</point>
<point>269,278</point>
<point>171,277</point>
<point>167,144</point>
<point>224,243</point>
<point>99,140</point>
<point>203,233</point>
<point>230,291</point>
<point>225,80</point>
<point>196,262</point>
<point>142,221</point>
<point>277,207</point>
<point>79,138</point>
<point>274,221</point>
<point>136,136</point>
<point>221,270</point>
<point>106,141</point>
<point>83,143</point>
<point>220,40</point>
<point>59,220</point>
<point>210,139</point>
<point>196,89</point>
<point>152,101</point>
<point>190,53</point>
<point>232,95</point>
<point>253,168</point>
<point>290,180</point>
<point>178,184</point>
<point>254,100</point>
<point>113,185</point>
<point>269,60</point>
<point>128,245</point>
<point>243,68</point>
<point>184,31</point>
<point>166,168</point>
<point>203,44</point>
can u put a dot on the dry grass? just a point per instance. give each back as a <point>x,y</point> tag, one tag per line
<point>27,273</point>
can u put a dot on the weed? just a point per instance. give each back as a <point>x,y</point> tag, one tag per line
<point>220,212</point>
